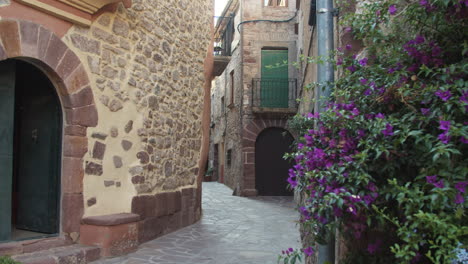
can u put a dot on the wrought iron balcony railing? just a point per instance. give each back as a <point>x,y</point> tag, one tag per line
<point>274,93</point>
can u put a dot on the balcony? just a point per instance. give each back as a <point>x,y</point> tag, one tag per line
<point>222,57</point>
<point>224,36</point>
<point>274,96</point>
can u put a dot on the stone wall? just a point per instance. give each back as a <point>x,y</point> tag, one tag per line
<point>146,75</point>
<point>232,169</point>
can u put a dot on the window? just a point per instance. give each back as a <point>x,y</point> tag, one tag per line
<point>313,13</point>
<point>229,157</point>
<point>275,2</point>
<point>222,105</point>
<point>232,88</point>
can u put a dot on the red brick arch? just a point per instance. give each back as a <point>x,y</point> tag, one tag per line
<point>39,46</point>
<point>250,133</point>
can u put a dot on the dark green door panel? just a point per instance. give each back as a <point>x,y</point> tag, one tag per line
<point>38,152</point>
<point>274,84</point>
<point>7,108</point>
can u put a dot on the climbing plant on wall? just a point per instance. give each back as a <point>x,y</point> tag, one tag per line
<point>387,162</point>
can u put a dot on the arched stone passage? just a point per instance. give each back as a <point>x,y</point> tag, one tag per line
<point>250,134</point>
<point>23,40</point>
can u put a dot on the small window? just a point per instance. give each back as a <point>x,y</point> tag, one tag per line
<point>275,2</point>
<point>222,105</point>
<point>232,89</point>
<point>229,157</point>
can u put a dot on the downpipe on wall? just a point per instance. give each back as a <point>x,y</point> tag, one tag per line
<point>325,79</point>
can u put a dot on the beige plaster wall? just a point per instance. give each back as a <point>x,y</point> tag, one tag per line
<point>146,69</point>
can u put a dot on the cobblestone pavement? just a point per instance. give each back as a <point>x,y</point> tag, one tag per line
<point>233,230</point>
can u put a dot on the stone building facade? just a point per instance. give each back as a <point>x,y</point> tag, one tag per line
<point>244,118</point>
<point>130,82</point>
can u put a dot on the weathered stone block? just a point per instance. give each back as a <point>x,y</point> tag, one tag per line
<point>74,146</point>
<point>72,208</point>
<point>99,150</point>
<point>126,145</point>
<point>120,27</point>
<point>84,116</point>
<point>9,34</point>
<point>29,36</point>
<point>86,44</point>
<point>72,175</point>
<point>84,97</point>
<point>93,168</point>
<point>117,162</point>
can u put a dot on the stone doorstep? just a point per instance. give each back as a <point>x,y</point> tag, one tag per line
<point>75,254</point>
<point>33,245</point>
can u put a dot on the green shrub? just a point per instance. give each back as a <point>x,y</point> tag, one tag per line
<point>386,162</point>
<point>7,260</point>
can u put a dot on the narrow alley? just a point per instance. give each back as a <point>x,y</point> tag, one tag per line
<point>232,230</point>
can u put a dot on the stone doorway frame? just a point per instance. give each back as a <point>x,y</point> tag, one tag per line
<point>33,43</point>
<point>250,133</point>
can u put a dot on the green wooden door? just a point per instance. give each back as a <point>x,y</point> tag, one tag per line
<point>7,108</point>
<point>39,133</point>
<point>274,84</point>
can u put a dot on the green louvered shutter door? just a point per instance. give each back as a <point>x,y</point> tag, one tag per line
<point>274,85</point>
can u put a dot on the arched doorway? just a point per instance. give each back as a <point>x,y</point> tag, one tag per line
<point>30,152</point>
<point>271,170</point>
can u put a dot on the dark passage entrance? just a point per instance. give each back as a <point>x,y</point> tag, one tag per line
<point>271,170</point>
<point>30,146</point>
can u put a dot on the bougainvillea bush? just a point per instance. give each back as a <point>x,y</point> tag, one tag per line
<point>386,162</point>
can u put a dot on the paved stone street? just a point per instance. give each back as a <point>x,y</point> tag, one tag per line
<point>233,230</point>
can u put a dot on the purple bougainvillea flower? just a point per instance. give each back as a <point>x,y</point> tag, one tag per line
<point>425,111</point>
<point>380,115</point>
<point>431,179</point>
<point>363,81</point>
<point>464,140</point>
<point>439,184</point>
<point>361,133</point>
<point>373,247</point>
<point>419,39</point>
<point>316,115</point>
<point>355,111</point>
<point>444,95</point>
<point>388,131</point>
<point>363,62</point>
<point>444,125</point>
<point>461,186</point>
<point>464,97</point>
<point>339,61</point>
<point>444,138</point>
<point>423,2</point>
<point>292,182</point>
<point>459,198</point>
<point>392,10</point>
<point>351,68</point>
<point>367,92</point>
<point>309,251</point>
<point>391,70</point>
<point>348,46</point>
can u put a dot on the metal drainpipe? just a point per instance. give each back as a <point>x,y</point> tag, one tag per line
<point>325,76</point>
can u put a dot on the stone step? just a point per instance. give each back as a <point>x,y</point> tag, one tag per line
<point>74,254</point>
